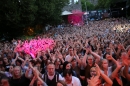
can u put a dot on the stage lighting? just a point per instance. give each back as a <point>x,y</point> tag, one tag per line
<point>122,8</point>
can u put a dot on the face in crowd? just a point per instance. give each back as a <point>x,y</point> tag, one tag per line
<point>90,59</point>
<point>51,69</point>
<point>71,51</point>
<point>5,60</point>
<point>17,71</point>
<point>68,66</point>
<point>68,77</point>
<point>39,83</point>
<point>93,71</point>
<point>104,64</point>
<point>11,68</point>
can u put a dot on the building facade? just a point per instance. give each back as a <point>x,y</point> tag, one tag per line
<point>73,6</point>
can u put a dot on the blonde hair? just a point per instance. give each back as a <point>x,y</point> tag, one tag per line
<point>19,69</point>
<point>90,56</point>
<point>101,62</point>
<point>93,68</point>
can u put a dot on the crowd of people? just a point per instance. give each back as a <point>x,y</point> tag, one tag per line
<point>96,54</point>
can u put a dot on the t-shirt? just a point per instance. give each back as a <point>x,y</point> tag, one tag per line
<point>109,72</point>
<point>23,81</point>
<point>68,57</point>
<point>7,67</point>
<point>75,82</point>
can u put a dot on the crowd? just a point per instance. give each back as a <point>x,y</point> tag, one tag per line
<point>96,54</point>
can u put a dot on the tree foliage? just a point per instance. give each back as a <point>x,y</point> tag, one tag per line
<point>106,3</point>
<point>86,5</point>
<point>15,15</point>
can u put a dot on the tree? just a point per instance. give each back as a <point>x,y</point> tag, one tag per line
<point>49,11</point>
<point>15,15</point>
<point>106,3</point>
<point>86,5</point>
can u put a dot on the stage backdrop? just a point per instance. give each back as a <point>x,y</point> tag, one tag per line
<point>76,18</point>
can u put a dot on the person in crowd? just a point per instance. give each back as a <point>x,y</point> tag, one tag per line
<point>58,65</point>
<point>36,80</point>
<point>18,78</point>
<point>69,79</point>
<point>6,63</point>
<point>67,65</point>
<point>51,76</point>
<point>10,73</point>
<point>96,72</point>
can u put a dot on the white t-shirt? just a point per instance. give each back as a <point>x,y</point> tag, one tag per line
<point>75,82</point>
<point>109,72</point>
<point>68,57</point>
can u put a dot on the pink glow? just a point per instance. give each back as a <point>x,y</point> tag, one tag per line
<point>32,47</point>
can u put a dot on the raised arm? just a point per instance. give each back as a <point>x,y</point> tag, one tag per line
<point>115,72</point>
<point>32,81</point>
<point>77,57</point>
<point>97,57</point>
<point>126,63</point>
<point>108,81</point>
<point>84,59</point>
<point>109,57</point>
<point>13,62</point>
<point>60,56</point>
<point>38,56</point>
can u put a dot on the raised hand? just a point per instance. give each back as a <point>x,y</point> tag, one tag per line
<point>93,81</point>
<point>87,50</point>
<point>30,65</point>
<point>39,54</point>
<point>59,55</point>
<point>118,64</point>
<point>98,45</point>
<point>98,70</point>
<point>120,46</point>
<point>75,52</point>
<point>125,59</point>
<point>109,57</point>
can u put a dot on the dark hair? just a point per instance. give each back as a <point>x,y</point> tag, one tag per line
<point>50,63</point>
<point>37,62</point>
<point>67,71</point>
<point>12,65</point>
<point>33,62</point>
<point>1,59</point>
<point>70,47</point>
<point>62,82</point>
<point>19,61</point>
<point>64,65</point>
<point>57,60</point>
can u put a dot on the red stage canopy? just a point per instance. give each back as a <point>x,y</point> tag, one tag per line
<point>76,18</point>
